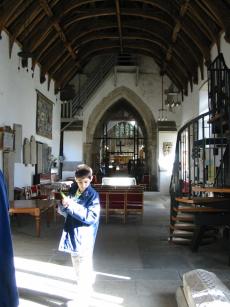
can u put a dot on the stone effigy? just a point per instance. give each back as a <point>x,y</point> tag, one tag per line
<point>204,289</point>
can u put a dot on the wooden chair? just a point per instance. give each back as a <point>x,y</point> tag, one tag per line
<point>104,205</point>
<point>117,204</point>
<point>135,203</point>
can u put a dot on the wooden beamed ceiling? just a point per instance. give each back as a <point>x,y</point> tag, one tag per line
<point>63,36</point>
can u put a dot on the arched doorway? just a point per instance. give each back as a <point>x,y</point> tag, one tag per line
<point>131,106</point>
<point>121,135</point>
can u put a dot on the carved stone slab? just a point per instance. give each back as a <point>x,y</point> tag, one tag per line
<point>8,170</point>
<point>18,142</point>
<point>26,151</point>
<point>33,151</point>
<point>204,288</point>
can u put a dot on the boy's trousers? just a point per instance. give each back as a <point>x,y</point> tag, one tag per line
<point>83,266</point>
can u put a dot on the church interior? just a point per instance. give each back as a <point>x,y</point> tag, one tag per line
<point>140,91</point>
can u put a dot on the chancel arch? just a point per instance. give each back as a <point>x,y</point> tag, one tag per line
<point>123,105</point>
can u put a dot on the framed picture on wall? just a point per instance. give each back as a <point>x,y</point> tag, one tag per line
<point>44,116</point>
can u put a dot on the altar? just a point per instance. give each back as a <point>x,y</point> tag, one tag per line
<point>119,181</point>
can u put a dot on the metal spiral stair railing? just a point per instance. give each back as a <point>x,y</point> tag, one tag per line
<point>199,160</point>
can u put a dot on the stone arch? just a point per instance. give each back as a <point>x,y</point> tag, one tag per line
<point>149,124</point>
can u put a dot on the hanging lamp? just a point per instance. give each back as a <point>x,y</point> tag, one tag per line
<point>162,112</point>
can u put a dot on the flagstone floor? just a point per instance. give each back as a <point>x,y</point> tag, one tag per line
<point>135,264</point>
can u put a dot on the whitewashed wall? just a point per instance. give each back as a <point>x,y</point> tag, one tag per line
<point>166,161</point>
<point>18,105</point>
<point>72,146</point>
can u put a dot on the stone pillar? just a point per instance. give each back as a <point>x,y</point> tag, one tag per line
<point>87,153</point>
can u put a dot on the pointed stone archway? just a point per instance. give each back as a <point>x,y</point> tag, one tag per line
<point>149,123</point>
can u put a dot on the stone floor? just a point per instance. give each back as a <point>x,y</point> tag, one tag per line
<point>135,264</point>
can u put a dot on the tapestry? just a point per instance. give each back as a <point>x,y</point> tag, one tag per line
<point>44,116</point>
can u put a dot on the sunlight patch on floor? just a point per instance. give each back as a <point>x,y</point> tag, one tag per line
<point>46,284</point>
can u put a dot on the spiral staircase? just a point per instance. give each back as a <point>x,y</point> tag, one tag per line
<point>202,155</point>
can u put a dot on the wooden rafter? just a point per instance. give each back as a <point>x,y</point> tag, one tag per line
<point>55,23</point>
<point>8,11</point>
<point>175,31</point>
<point>63,36</point>
<point>221,12</point>
<point>118,14</point>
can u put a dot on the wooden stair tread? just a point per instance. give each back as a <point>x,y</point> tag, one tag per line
<point>187,241</point>
<point>183,241</point>
<point>199,209</point>
<point>185,218</point>
<point>183,226</point>
<point>182,234</point>
<point>207,233</point>
<point>211,189</point>
<point>201,200</point>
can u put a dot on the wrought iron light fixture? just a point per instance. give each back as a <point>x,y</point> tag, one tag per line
<point>172,101</point>
<point>162,112</point>
<point>24,55</point>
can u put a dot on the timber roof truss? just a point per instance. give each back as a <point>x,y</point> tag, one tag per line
<point>63,36</point>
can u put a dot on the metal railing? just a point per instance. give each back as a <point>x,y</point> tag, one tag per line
<point>199,157</point>
<point>73,107</point>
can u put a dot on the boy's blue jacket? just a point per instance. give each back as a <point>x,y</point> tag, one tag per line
<point>81,222</point>
<point>8,288</point>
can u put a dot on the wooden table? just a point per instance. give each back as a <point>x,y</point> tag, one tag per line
<point>34,207</point>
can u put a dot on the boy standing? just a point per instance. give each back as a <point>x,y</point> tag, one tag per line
<point>81,210</point>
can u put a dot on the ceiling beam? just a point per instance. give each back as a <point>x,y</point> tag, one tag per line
<point>22,24</point>
<point>157,16</point>
<point>158,34</point>
<point>8,11</point>
<point>135,48</point>
<point>197,15</point>
<point>55,23</point>
<point>53,58</point>
<point>221,12</point>
<point>60,65</point>
<point>130,12</point>
<point>118,14</point>
<point>141,38</point>
<point>176,29</point>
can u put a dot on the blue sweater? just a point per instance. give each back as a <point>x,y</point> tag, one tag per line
<point>81,223</point>
<point>8,288</point>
